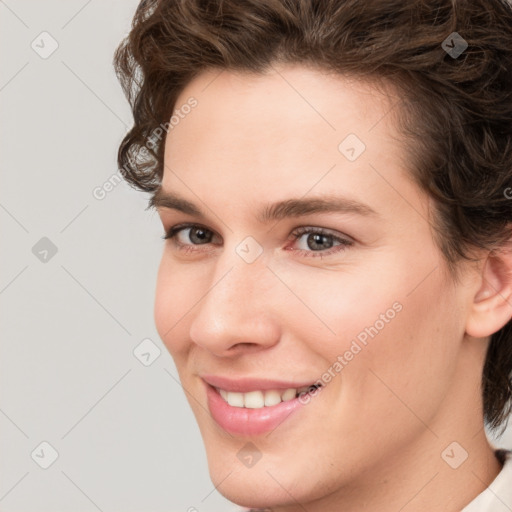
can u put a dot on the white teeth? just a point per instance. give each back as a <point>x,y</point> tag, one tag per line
<point>235,399</point>
<point>259,399</point>
<point>289,394</point>
<point>272,397</point>
<point>254,400</point>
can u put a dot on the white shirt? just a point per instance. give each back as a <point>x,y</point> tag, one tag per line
<point>498,496</point>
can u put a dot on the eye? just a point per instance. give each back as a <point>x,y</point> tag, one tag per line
<point>189,234</point>
<point>320,241</point>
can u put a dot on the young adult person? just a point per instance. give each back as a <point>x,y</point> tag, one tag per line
<point>334,180</point>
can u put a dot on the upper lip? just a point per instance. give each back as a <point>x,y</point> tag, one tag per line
<point>246,384</point>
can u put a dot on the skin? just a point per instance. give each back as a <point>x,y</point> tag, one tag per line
<point>373,438</point>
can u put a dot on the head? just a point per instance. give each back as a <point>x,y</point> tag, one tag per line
<point>251,120</point>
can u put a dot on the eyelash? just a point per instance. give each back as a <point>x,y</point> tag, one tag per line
<point>189,248</point>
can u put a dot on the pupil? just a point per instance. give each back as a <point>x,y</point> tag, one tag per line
<point>318,239</point>
<point>199,234</point>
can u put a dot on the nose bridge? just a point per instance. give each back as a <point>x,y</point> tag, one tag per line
<point>229,289</point>
<point>236,285</point>
<point>240,273</point>
<point>233,309</point>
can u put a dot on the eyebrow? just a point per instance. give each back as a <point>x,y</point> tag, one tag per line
<point>271,212</point>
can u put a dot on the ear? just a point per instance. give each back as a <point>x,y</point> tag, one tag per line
<point>491,308</point>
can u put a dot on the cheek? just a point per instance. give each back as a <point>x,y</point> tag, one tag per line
<point>398,319</point>
<point>400,349</point>
<point>174,298</point>
<point>340,307</point>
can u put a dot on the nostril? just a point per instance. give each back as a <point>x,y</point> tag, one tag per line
<point>242,346</point>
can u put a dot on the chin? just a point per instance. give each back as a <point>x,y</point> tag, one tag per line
<point>261,486</point>
<point>248,490</point>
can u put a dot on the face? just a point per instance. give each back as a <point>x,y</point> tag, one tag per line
<point>340,284</point>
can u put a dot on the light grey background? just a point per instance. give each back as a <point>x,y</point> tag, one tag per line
<point>125,436</point>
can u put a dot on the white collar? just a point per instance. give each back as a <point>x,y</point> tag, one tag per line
<point>498,496</point>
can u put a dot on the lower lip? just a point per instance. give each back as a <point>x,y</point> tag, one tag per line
<point>249,422</point>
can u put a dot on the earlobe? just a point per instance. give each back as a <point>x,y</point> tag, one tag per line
<point>491,308</point>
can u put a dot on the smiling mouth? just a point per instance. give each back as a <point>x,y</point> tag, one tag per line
<point>257,411</point>
<point>265,398</point>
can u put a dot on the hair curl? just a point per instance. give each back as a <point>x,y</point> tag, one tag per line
<point>458,111</point>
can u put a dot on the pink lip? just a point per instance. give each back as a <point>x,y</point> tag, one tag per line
<point>249,422</point>
<point>244,384</point>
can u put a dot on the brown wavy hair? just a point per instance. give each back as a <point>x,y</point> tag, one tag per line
<point>456,111</point>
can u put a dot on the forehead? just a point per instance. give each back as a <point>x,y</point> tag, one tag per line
<point>304,101</point>
<point>293,128</point>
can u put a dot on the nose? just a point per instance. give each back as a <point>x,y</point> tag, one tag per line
<point>236,316</point>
